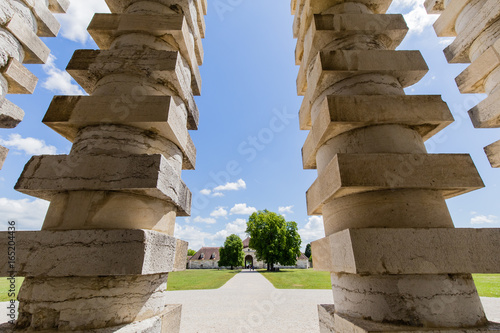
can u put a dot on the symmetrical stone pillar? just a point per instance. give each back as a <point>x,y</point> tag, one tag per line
<point>397,263</point>
<point>106,246</point>
<point>476,26</point>
<point>22,22</point>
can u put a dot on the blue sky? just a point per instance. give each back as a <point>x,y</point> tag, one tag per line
<point>249,141</point>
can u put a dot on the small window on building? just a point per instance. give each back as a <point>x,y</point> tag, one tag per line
<point>212,256</point>
<point>202,256</point>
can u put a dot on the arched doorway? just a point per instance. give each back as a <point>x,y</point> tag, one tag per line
<point>248,260</point>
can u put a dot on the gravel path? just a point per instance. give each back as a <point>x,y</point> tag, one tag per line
<point>250,303</point>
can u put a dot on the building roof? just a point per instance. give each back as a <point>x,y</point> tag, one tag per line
<point>246,242</point>
<point>302,257</point>
<point>207,253</point>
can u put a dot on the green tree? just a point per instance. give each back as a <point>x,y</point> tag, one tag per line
<point>308,251</point>
<point>191,252</point>
<point>231,254</point>
<point>274,239</point>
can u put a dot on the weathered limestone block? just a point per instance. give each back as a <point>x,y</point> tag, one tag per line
<point>347,174</point>
<point>58,6</point>
<point>326,313</point>
<point>409,251</point>
<point>173,29</point>
<point>487,114</point>
<point>19,78</point>
<point>434,6</point>
<point>339,114</point>
<point>47,25</point>
<point>91,253</point>
<point>493,153</point>
<point>193,10</point>
<point>181,251</point>
<point>445,24</point>
<point>10,114</point>
<point>149,175</point>
<point>3,155</point>
<point>161,115</point>
<point>331,67</point>
<point>86,303</point>
<point>333,32</point>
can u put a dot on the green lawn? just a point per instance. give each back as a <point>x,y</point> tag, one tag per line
<point>4,288</point>
<point>195,279</point>
<point>298,279</point>
<point>488,285</point>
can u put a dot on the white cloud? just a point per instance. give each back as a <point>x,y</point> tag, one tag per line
<point>242,209</point>
<point>238,185</point>
<point>217,194</point>
<point>205,191</point>
<point>207,220</point>
<point>74,23</point>
<point>219,212</point>
<point>236,227</point>
<point>30,146</point>
<point>28,214</point>
<point>191,234</point>
<point>59,81</point>
<point>284,210</point>
<point>482,219</point>
<point>313,230</point>
<point>415,15</point>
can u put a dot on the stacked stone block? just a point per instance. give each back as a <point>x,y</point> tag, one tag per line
<point>102,258</point>
<point>22,23</point>
<point>391,246</point>
<point>476,26</point>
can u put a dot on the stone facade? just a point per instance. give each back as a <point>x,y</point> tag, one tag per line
<point>476,28</point>
<point>22,23</point>
<point>106,246</point>
<point>390,244</point>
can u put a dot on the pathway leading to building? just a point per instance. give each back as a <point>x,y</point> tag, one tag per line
<point>250,303</point>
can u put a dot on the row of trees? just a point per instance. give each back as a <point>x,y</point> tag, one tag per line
<point>273,238</point>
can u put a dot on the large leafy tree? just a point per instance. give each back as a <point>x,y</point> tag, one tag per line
<point>308,251</point>
<point>274,239</point>
<point>231,254</point>
<point>191,252</point>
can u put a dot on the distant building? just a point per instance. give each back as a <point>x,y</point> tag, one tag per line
<point>208,258</point>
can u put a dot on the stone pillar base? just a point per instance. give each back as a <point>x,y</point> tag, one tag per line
<point>329,321</point>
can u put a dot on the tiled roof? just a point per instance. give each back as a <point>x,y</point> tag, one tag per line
<point>207,253</point>
<point>246,242</point>
<point>302,257</point>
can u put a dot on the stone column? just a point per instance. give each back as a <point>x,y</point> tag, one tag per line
<point>22,22</point>
<point>397,263</point>
<point>476,26</point>
<point>106,246</point>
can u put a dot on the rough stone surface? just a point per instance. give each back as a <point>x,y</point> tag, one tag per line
<point>91,253</point>
<point>10,114</point>
<point>3,155</point>
<point>409,251</point>
<point>181,250</point>
<point>19,78</point>
<point>326,313</point>
<point>493,153</point>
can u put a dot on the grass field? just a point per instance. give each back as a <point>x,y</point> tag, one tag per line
<point>298,279</point>
<point>195,279</point>
<point>488,285</point>
<point>4,288</point>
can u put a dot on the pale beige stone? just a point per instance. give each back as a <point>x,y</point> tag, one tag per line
<point>189,8</point>
<point>20,79</point>
<point>91,253</point>
<point>348,324</point>
<point>338,31</point>
<point>493,153</point>
<point>406,67</point>
<point>326,313</point>
<point>339,114</point>
<point>87,303</point>
<point>410,251</point>
<point>10,114</point>
<point>3,155</point>
<point>434,6</point>
<point>445,24</point>
<point>437,301</point>
<point>173,29</point>
<point>157,114</point>
<point>36,52</point>
<point>149,175</point>
<point>59,6</point>
<point>452,174</point>
<point>487,114</point>
<point>181,253</point>
<point>473,25</point>
<point>47,25</point>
